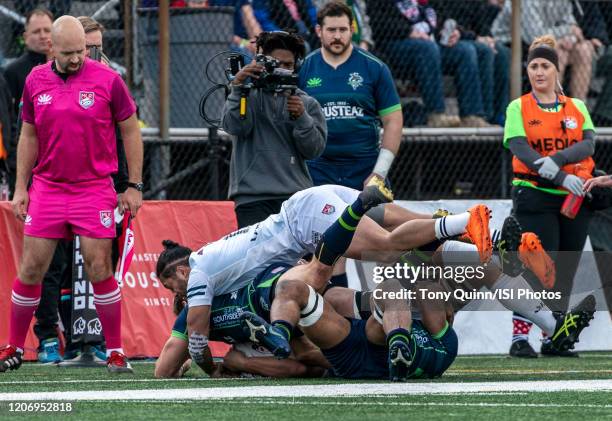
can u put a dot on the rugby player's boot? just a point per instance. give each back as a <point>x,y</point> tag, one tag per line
<point>261,332</point>
<point>375,193</point>
<point>548,350</point>
<point>508,245</point>
<point>570,324</point>
<point>10,358</point>
<point>400,359</point>
<point>522,349</point>
<point>535,258</point>
<point>477,230</point>
<point>118,363</point>
<point>440,213</point>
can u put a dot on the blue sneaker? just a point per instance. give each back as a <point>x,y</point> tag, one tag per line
<point>400,359</point>
<point>50,353</point>
<point>99,353</point>
<point>262,332</point>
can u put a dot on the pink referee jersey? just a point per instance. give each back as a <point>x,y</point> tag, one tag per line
<point>75,121</point>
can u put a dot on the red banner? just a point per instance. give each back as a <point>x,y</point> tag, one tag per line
<point>146,305</point>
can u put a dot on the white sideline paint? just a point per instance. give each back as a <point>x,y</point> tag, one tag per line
<point>328,390</point>
<point>451,372</point>
<point>386,403</point>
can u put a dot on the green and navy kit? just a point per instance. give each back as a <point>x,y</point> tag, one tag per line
<point>256,297</point>
<point>357,358</point>
<point>353,97</point>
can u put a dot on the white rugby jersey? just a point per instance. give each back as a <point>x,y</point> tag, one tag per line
<point>235,260</point>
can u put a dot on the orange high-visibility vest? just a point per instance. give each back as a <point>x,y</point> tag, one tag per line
<point>549,132</point>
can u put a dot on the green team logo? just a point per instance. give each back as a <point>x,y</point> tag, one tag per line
<point>355,80</point>
<point>314,82</point>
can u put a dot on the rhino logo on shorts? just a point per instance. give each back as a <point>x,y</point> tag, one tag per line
<point>86,99</point>
<point>106,218</point>
<point>94,327</point>
<point>78,327</point>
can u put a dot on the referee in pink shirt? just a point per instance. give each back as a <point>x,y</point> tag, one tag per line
<point>68,148</point>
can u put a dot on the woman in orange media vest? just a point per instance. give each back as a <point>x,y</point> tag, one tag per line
<point>552,140</point>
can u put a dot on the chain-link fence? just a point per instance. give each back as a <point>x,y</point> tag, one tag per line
<point>438,74</point>
<point>449,58</point>
<point>431,165</point>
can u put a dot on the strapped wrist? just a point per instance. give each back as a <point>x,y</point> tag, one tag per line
<point>384,162</point>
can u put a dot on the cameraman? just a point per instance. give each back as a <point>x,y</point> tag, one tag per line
<point>281,129</point>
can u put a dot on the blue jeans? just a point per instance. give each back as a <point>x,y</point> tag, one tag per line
<point>426,60</point>
<point>494,79</point>
<point>501,87</point>
<point>421,60</point>
<point>462,61</point>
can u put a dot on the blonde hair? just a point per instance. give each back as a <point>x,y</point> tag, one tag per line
<point>547,40</point>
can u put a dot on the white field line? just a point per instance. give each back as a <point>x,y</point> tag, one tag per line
<point>535,371</point>
<point>386,403</point>
<point>127,380</point>
<point>328,390</point>
<point>451,372</point>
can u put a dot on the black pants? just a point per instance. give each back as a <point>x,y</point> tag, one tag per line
<point>253,212</point>
<point>561,237</point>
<point>59,271</point>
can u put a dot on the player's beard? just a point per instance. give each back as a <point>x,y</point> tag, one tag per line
<point>330,50</point>
<point>70,69</point>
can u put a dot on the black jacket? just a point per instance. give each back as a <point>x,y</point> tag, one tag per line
<point>16,73</point>
<point>6,119</point>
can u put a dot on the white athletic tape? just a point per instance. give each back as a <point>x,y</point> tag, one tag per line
<point>356,313</point>
<point>378,313</point>
<point>313,310</point>
<point>197,344</point>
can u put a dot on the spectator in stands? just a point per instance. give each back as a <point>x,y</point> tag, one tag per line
<point>281,127</point>
<point>475,19</point>
<point>246,26</point>
<point>552,140</point>
<point>554,17</point>
<point>407,32</point>
<point>362,32</point>
<point>299,16</point>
